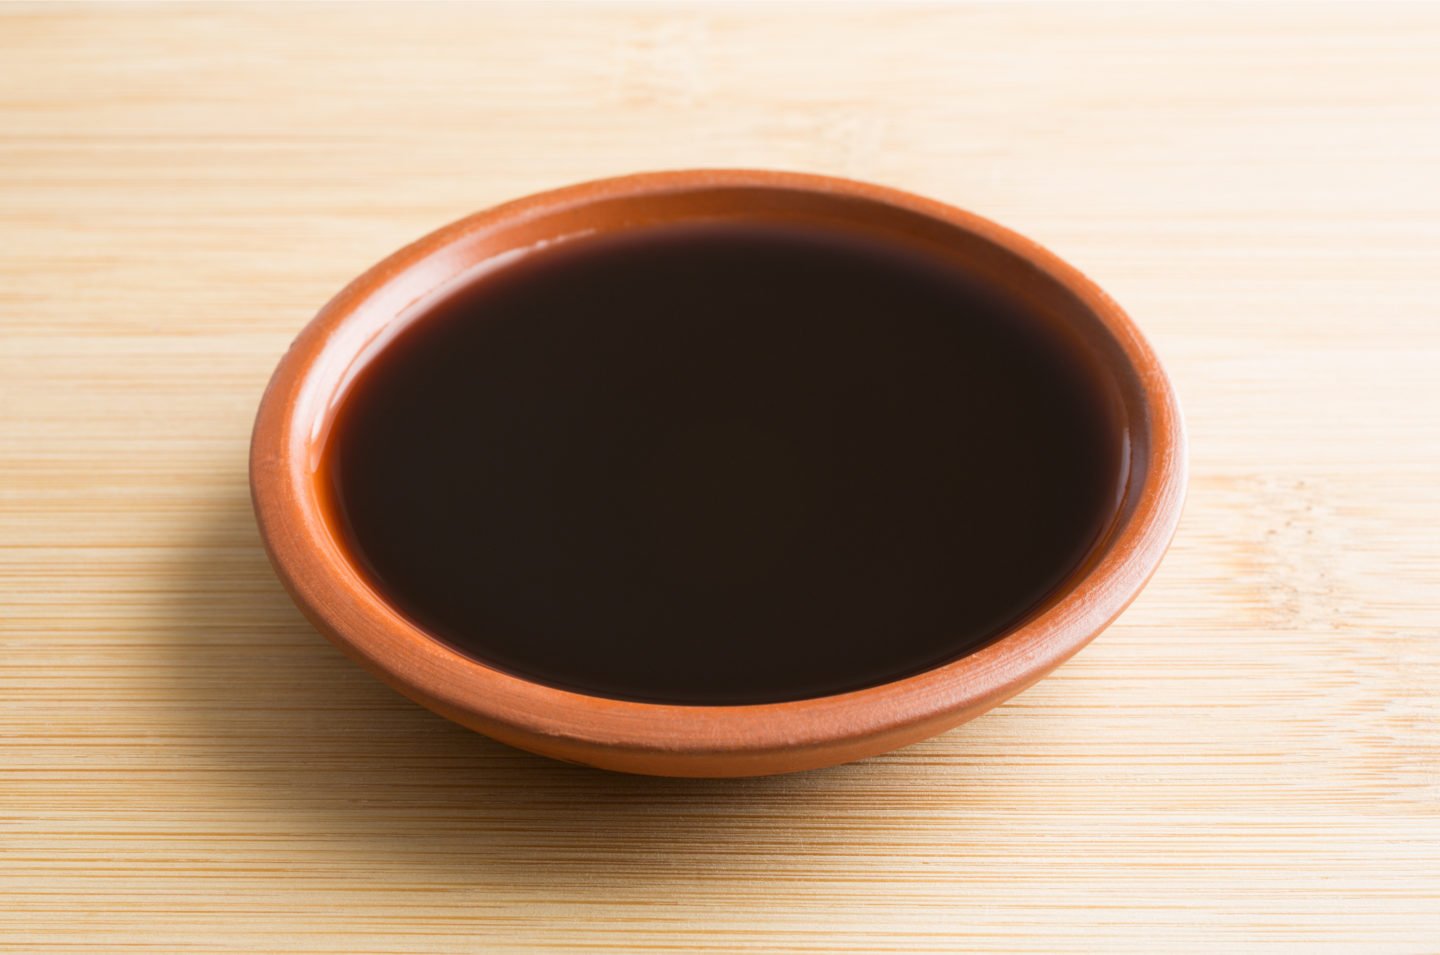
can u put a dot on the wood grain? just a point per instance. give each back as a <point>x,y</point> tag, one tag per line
<point>1249,760</point>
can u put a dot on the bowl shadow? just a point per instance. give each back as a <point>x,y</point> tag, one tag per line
<point>331,754</point>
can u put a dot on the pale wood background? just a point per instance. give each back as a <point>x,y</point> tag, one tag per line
<point>1249,760</point>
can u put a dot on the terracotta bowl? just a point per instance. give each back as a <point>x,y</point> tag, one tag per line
<point>297,408</point>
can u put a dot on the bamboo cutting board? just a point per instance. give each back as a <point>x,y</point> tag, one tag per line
<point>1249,760</point>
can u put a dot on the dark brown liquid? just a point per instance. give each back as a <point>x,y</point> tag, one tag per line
<point>721,464</point>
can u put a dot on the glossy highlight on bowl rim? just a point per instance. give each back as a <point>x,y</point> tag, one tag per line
<point>292,423</point>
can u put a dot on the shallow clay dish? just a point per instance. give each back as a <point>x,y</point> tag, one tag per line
<point>297,409</point>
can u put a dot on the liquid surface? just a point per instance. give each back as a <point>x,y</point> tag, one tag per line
<point>720,464</point>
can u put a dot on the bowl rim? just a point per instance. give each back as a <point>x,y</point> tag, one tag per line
<point>342,605</point>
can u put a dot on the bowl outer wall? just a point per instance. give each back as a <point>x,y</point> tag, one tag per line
<point>665,739</point>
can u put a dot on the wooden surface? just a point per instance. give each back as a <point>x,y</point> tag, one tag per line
<point>1249,760</point>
